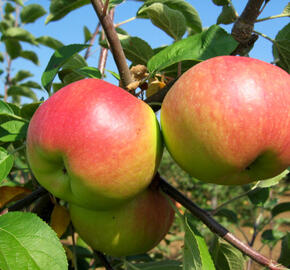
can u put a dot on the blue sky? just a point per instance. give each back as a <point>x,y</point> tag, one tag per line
<point>70,30</point>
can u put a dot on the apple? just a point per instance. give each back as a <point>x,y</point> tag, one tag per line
<point>131,229</point>
<point>94,144</point>
<point>227,120</point>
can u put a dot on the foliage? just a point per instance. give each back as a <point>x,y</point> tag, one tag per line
<point>35,243</point>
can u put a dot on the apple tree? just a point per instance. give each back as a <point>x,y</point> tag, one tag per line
<point>215,226</point>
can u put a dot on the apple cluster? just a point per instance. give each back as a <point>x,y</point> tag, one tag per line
<point>98,147</point>
<point>225,121</point>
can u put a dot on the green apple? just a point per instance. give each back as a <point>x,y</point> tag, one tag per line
<point>227,120</point>
<point>94,144</point>
<point>133,228</point>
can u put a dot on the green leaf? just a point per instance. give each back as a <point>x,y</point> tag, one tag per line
<point>9,8</point>
<point>20,34</point>
<point>28,110</point>
<point>74,62</point>
<point>12,129</point>
<point>56,61</point>
<point>157,265</point>
<point>195,252</point>
<point>68,74</point>
<point>259,196</point>
<point>280,208</point>
<point>190,14</point>
<point>19,2</point>
<point>21,75</point>
<point>281,48</point>
<point>31,13</point>
<point>58,9</point>
<point>212,42</point>
<point>30,55</point>
<point>226,257</point>
<point>271,236</point>
<point>17,90</point>
<point>5,109</point>
<point>87,34</point>
<point>285,251</point>
<point>272,181</point>
<point>27,242</point>
<point>89,72</point>
<point>13,48</point>
<point>171,21</point>
<point>114,74</point>
<point>227,16</point>
<point>32,84</point>
<point>1,57</point>
<point>229,214</point>
<point>113,3</point>
<point>136,49</point>
<point>221,2</point>
<point>6,163</point>
<point>57,86</point>
<point>50,42</point>
<point>286,10</point>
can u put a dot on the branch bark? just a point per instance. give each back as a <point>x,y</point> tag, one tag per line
<point>243,28</point>
<point>214,226</point>
<point>115,44</point>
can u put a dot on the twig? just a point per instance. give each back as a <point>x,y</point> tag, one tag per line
<point>104,260</point>
<point>272,17</point>
<point>29,199</point>
<point>105,8</point>
<point>115,44</point>
<point>254,236</point>
<point>214,226</point>
<point>104,51</point>
<point>265,36</point>
<point>7,78</point>
<point>126,21</point>
<point>243,28</point>
<point>92,40</point>
<point>75,260</point>
<point>217,209</point>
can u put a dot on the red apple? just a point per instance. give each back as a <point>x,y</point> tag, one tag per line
<point>94,144</point>
<point>227,120</point>
<point>133,228</point>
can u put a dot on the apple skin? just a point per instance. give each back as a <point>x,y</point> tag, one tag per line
<point>227,120</point>
<point>131,229</point>
<point>94,144</point>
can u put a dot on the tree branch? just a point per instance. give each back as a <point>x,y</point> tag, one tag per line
<point>115,44</point>
<point>214,226</point>
<point>28,200</point>
<point>243,28</point>
<point>104,51</point>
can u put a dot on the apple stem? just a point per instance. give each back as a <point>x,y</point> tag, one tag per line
<point>214,226</point>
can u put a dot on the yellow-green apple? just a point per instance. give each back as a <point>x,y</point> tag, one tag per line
<point>227,120</point>
<point>133,228</point>
<point>94,144</point>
